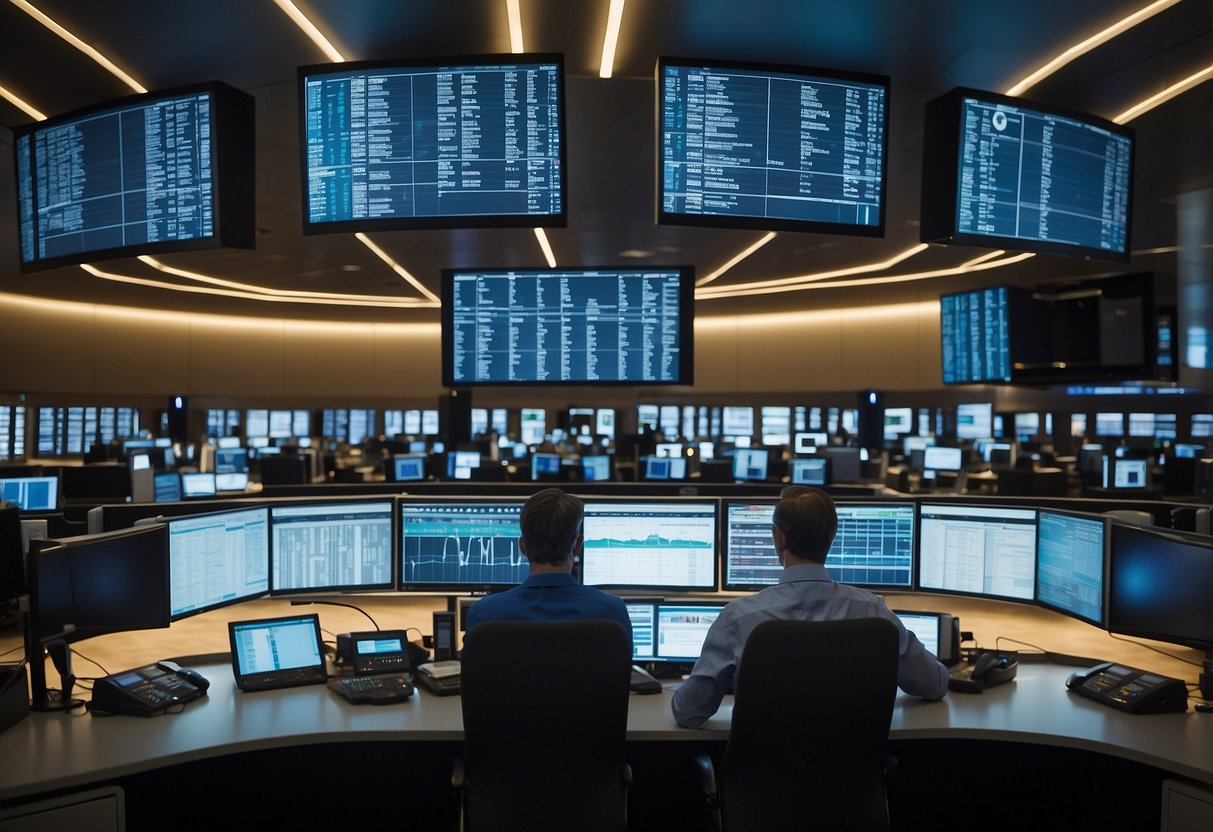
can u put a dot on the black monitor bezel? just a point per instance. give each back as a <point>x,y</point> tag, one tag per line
<point>918,587</point>
<point>941,168</point>
<point>455,62</point>
<point>659,588</point>
<point>233,177</point>
<point>686,326</point>
<point>447,586</point>
<point>1113,626</point>
<point>328,503</point>
<point>762,223</point>
<point>169,522</point>
<point>1104,580</point>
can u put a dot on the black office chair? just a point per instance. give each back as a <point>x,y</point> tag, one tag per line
<point>545,712</point>
<point>811,713</point>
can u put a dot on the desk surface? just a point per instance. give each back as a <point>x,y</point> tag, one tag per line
<point>61,750</point>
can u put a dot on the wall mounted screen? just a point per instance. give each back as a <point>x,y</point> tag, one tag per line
<point>978,550</point>
<point>1003,171</point>
<point>1070,563</point>
<point>452,142</point>
<point>218,559</point>
<point>772,147</point>
<point>568,326</point>
<point>650,544</point>
<point>329,546</point>
<point>153,173</point>
<point>460,545</point>
<point>975,330</point>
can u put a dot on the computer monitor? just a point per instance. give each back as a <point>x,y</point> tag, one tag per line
<point>598,468</point>
<point>811,470</point>
<point>460,545</point>
<point>231,460</point>
<point>233,483</point>
<point>194,484</point>
<point>939,458</point>
<point>166,487</point>
<point>649,544</point>
<point>31,493</point>
<point>750,464</point>
<point>910,444</point>
<point>421,163</point>
<point>217,559</point>
<point>545,466</point>
<point>807,443</point>
<point>681,629</point>
<point>661,468</point>
<point>331,546</point>
<point>1071,562</point>
<point>1159,586</point>
<point>978,550</point>
<point>844,463</point>
<point>873,547</point>
<point>670,449</point>
<point>408,467</point>
<point>459,464</point>
<point>1131,473</point>
<point>974,420</point>
<point>925,626</point>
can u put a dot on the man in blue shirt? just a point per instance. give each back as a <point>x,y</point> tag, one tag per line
<point>803,527</point>
<point>551,525</point>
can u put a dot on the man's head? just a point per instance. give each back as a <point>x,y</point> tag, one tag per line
<point>804,524</point>
<point>551,527</point>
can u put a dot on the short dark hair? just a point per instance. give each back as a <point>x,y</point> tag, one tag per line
<point>550,524</point>
<point>808,520</point>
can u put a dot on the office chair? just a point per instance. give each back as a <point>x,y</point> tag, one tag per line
<point>811,713</point>
<point>545,712</point>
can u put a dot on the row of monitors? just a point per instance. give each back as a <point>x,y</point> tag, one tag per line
<point>731,145</point>
<point>1059,559</point>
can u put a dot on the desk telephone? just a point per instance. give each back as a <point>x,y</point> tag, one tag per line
<point>147,691</point>
<point>1129,689</point>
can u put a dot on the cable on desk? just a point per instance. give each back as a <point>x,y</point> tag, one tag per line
<point>999,639</point>
<point>91,661</point>
<point>1156,650</point>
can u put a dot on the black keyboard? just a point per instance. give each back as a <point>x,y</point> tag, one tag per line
<point>289,678</point>
<point>446,686</point>
<point>382,689</point>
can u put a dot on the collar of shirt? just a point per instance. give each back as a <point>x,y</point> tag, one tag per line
<point>550,579</point>
<point>805,572</point>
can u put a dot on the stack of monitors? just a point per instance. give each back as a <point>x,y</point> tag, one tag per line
<point>460,545</point>
<point>670,631</point>
<point>978,550</point>
<point>874,545</point>
<point>650,544</point>
<point>331,546</point>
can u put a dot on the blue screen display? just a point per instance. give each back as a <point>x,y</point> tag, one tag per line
<point>1070,564</point>
<point>1160,586</point>
<point>975,336</point>
<point>397,144</point>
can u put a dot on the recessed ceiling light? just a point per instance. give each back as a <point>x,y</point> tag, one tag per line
<point>351,267</point>
<point>636,252</point>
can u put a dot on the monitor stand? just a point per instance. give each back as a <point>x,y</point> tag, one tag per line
<point>42,699</point>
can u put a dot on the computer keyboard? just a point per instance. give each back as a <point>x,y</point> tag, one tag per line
<point>381,689</point>
<point>439,686</point>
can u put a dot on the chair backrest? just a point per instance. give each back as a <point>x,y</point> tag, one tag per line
<point>545,712</point>
<point>812,707</point>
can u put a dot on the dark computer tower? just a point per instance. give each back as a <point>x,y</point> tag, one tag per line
<point>455,417</point>
<point>871,419</point>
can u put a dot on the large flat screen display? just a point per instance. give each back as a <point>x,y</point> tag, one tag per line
<point>1002,171</point>
<point>772,147</point>
<point>568,326</point>
<point>153,173</point>
<point>978,550</point>
<point>437,143</point>
<point>218,559</point>
<point>460,545</point>
<point>1070,563</point>
<point>975,336</point>
<point>649,544</point>
<point>331,546</point>
<point>1160,584</point>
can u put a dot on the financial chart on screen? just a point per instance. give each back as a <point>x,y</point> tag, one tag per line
<point>332,545</point>
<point>461,543</point>
<point>649,544</point>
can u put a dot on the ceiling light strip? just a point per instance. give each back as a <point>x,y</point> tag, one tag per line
<point>866,281</point>
<point>514,13</point>
<point>611,39</point>
<point>308,28</point>
<point>542,237</point>
<point>100,59</point>
<point>396,267</point>
<point>1080,49</point>
<point>770,235</point>
<point>21,105</point>
<point>1165,96</point>
<point>817,276</point>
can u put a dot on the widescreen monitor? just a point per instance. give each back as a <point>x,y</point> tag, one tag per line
<point>682,628</point>
<point>545,466</point>
<point>234,482</point>
<point>231,461</point>
<point>978,550</point>
<point>1071,561</point>
<point>597,468</point>
<point>939,458</point>
<point>408,467</point>
<point>750,464</point>
<point>166,487</point>
<point>874,545</point>
<point>149,174</point>
<point>460,545</point>
<point>568,326</point>
<point>217,559</point>
<point>658,468</point>
<point>31,493</point>
<point>974,420</point>
<point>1109,424</point>
<point>897,421</point>
<point>1007,172</point>
<point>811,470</point>
<point>765,146</point>
<point>650,544</point>
<point>466,142</point>
<point>459,464</point>
<point>807,443</point>
<point>195,484</point>
<point>844,463</point>
<point>1159,586</point>
<point>331,546</point>
<point>737,421</point>
<point>1132,473</point>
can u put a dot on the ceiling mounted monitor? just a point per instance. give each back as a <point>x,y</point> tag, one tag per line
<point>469,142</point>
<point>148,174</point>
<point>568,326</point>
<point>1004,172</point>
<point>746,145</point>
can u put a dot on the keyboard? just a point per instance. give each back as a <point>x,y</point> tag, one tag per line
<point>289,678</point>
<point>642,682</point>
<point>439,686</point>
<point>381,689</point>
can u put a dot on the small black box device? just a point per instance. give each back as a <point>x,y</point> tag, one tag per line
<point>378,651</point>
<point>444,636</point>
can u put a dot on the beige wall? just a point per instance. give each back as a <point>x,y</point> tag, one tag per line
<point>81,349</point>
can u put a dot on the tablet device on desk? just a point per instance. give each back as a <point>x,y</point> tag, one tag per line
<point>277,652</point>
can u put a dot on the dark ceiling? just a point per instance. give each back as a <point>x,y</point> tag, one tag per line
<point>927,48</point>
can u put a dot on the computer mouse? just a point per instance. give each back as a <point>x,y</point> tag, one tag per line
<point>987,662</point>
<point>194,678</point>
